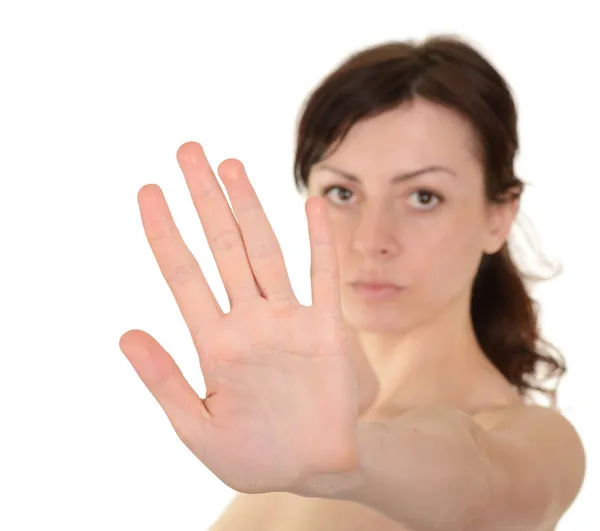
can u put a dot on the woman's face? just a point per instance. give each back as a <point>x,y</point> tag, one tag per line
<point>425,233</point>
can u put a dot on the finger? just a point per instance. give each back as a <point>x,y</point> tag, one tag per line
<point>163,378</point>
<point>219,224</point>
<point>324,268</point>
<point>195,299</point>
<point>262,248</point>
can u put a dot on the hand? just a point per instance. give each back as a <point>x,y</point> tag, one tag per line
<point>281,405</point>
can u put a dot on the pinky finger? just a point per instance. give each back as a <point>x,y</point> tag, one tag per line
<point>324,269</point>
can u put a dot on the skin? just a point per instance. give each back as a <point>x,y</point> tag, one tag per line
<point>426,234</point>
<point>418,348</point>
<point>287,385</point>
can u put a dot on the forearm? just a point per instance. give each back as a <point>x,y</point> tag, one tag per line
<point>422,469</point>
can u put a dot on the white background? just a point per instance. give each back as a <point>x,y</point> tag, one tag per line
<point>96,97</point>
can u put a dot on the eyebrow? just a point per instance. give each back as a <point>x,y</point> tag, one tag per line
<point>396,179</point>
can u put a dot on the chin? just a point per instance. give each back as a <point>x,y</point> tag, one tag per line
<point>382,320</point>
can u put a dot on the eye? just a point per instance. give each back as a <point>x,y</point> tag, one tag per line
<point>342,193</point>
<point>426,198</point>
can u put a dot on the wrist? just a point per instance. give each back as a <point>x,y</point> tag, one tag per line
<point>341,485</point>
<point>335,485</point>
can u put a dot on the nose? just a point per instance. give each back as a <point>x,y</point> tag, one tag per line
<point>376,234</point>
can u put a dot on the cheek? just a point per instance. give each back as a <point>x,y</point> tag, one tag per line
<point>448,256</point>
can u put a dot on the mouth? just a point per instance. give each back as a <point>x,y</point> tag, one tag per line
<point>376,291</point>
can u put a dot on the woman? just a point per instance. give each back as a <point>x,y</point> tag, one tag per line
<point>401,398</point>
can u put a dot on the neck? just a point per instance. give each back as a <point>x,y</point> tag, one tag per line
<point>426,365</point>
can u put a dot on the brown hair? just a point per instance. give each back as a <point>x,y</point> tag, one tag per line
<point>449,71</point>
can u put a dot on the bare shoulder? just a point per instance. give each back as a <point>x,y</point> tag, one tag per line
<point>276,511</point>
<point>545,431</point>
<point>248,511</point>
<point>531,441</point>
<point>526,419</point>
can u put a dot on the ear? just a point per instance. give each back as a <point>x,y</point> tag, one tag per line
<point>500,220</point>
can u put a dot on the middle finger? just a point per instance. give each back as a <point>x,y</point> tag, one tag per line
<point>220,227</point>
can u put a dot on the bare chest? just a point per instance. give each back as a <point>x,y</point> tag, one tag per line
<point>278,511</point>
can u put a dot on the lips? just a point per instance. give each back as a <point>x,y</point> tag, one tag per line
<point>376,291</point>
<point>375,285</point>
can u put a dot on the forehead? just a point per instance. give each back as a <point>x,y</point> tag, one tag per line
<point>415,134</point>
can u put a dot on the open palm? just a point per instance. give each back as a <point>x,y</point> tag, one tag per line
<point>281,397</point>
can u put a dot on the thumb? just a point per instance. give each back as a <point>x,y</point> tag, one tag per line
<point>163,378</point>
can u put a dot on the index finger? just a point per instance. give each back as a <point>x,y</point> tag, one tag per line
<point>179,267</point>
